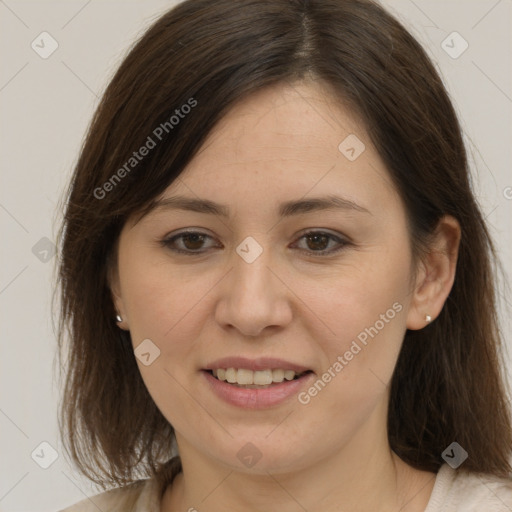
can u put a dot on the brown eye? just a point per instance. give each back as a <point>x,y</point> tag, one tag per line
<point>191,242</point>
<point>318,242</point>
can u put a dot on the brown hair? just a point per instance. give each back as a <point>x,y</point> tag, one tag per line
<point>448,384</point>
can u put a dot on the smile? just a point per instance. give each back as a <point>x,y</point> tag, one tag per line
<point>259,389</point>
<point>255,379</point>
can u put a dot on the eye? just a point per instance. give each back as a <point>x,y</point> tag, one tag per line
<point>189,242</point>
<point>193,242</point>
<point>318,241</point>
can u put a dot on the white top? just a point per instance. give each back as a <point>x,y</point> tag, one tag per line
<point>453,492</point>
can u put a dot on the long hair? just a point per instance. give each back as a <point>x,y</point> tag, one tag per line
<point>448,384</point>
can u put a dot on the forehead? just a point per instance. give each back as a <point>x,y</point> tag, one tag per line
<point>294,121</point>
<point>287,140</point>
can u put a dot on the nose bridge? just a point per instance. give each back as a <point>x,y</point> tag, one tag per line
<point>254,298</point>
<point>251,274</point>
<point>252,277</point>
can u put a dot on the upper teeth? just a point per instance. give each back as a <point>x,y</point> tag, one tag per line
<point>259,377</point>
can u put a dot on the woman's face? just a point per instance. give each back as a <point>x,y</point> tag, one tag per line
<point>254,284</point>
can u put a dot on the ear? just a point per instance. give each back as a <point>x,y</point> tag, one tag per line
<point>436,274</point>
<point>115,291</point>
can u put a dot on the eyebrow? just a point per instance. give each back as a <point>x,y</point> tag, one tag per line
<point>286,209</point>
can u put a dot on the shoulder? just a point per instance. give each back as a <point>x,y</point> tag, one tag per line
<point>455,491</point>
<point>143,495</point>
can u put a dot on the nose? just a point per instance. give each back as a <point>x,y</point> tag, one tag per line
<point>254,297</point>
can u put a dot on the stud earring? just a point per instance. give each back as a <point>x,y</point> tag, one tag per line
<point>428,319</point>
<point>119,318</point>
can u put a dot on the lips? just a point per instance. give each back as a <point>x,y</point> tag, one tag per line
<point>244,377</point>
<point>262,363</point>
<point>255,396</point>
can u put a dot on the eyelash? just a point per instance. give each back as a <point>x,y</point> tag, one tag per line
<point>167,242</point>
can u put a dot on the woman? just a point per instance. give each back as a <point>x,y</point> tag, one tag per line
<point>277,284</point>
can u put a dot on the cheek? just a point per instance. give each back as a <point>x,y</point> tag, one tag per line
<point>160,299</point>
<point>361,332</point>
<point>359,363</point>
<point>366,289</point>
<point>365,306</point>
<point>171,308</point>
<point>164,307</point>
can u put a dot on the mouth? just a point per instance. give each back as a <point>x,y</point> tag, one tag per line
<point>261,383</point>
<point>258,379</point>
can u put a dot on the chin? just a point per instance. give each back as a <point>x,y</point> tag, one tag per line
<point>260,456</point>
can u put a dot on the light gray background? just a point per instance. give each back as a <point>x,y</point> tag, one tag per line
<point>46,105</point>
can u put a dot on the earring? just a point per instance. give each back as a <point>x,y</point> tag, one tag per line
<point>119,318</point>
<point>428,319</point>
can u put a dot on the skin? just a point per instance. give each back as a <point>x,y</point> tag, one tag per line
<point>331,454</point>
